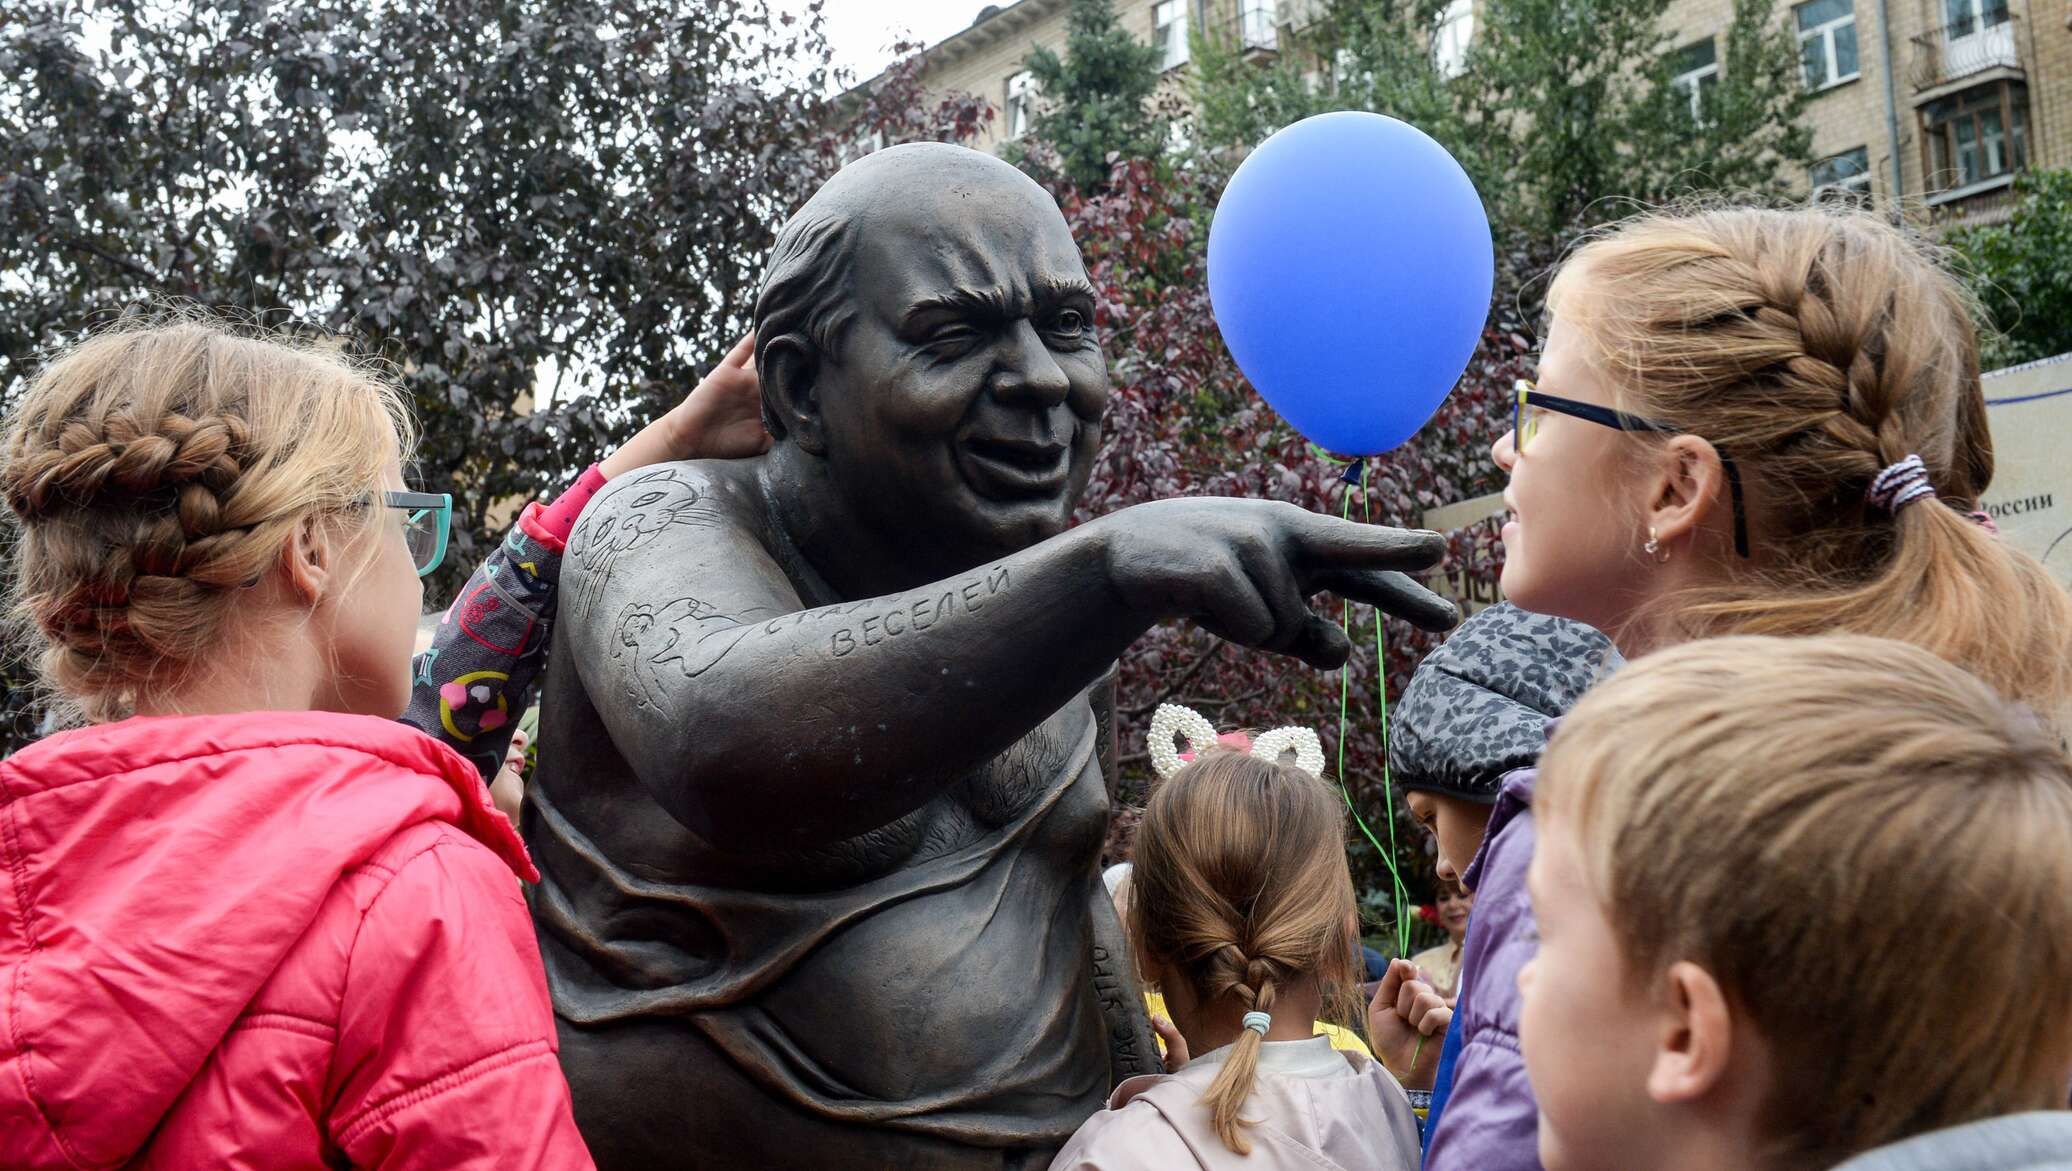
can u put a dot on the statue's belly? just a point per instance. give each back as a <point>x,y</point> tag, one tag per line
<point>995,972</point>
<point>946,988</point>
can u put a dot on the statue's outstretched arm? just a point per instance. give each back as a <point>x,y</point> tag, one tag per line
<point>761,724</point>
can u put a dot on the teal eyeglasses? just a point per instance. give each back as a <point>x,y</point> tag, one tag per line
<point>428,517</point>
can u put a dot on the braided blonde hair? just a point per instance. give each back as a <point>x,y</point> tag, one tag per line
<point>1817,347</point>
<point>1240,884</point>
<point>156,470</point>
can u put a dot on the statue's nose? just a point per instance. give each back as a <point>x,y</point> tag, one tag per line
<point>1027,372</point>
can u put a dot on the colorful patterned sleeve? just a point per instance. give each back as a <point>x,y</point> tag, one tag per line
<point>473,683</point>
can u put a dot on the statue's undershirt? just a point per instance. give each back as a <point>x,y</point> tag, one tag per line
<point>850,980</point>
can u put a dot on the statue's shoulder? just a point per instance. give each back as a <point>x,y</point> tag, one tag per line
<point>725,488</point>
<point>707,503</point>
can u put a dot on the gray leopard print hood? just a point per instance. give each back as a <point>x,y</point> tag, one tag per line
<point>1479,706</point>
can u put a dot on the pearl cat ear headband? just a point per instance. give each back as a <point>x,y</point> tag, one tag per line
<point>1172,723</point>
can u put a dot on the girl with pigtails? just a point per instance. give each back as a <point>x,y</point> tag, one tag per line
<point>1242,914</point>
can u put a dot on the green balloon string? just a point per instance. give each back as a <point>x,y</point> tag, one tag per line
<point>1388,852</point>
<point>1356,475</point>
<point>1388,788</point>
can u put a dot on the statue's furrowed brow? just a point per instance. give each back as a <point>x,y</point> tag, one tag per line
<point>1052,292</point>
<point>996,304</point>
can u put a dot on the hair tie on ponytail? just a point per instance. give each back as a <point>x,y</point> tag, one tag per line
<point>1258,1022</point>
<point>1900,485</point>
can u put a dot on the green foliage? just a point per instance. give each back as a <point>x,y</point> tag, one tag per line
<point>1097,98</point>
<point>1552,87</point>
<point>1358,55</point>
<point>1548,112</point>
<point>2022,271</point>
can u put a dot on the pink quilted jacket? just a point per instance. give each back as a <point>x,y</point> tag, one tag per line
<point>272,939</point>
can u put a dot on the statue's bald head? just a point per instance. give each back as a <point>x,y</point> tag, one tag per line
<point>907,191</point>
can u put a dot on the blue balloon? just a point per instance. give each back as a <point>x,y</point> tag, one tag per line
<point>1350,267</point>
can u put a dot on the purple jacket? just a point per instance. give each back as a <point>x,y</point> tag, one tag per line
<point>1491,1122</point>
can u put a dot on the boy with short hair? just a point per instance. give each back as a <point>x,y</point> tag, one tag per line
<point>1763,866</point>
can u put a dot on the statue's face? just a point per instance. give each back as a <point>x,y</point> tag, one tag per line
<point>965,409</point>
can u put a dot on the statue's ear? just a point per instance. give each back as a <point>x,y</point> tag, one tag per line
<point>790,373</point>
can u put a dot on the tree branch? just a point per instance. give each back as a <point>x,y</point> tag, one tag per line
<point>1187,676</point>
<point>82,244</point>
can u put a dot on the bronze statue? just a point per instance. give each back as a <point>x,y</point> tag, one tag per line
<point>825,781</point>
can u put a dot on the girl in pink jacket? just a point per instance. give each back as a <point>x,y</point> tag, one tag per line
<point>1242,914</point>
<point>247,919</point>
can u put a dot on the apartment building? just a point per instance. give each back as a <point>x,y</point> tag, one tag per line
<point>1939,102</point>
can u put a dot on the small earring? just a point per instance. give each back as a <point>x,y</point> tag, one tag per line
<point>1655,550</point>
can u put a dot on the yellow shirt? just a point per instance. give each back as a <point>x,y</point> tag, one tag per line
<point>1341,1038</point>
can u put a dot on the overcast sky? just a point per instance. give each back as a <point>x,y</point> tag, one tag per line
<point>862,32</point>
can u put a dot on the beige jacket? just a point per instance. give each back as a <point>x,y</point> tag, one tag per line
<point>1317,1109</point>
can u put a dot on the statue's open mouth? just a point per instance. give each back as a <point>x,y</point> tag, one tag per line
<point>1015,467</point>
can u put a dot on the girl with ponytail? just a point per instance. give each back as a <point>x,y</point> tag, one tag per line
<point>1746,421</point>
<point>1242,914</point>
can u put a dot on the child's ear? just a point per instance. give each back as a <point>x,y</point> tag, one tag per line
<point>307,560</point>
<point>790,375</point>
<point>1696,1038</point>
<point>1690,482</point>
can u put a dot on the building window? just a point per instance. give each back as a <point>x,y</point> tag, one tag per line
<point>1845,177</point>
<point>1021,100</point>
<point>1695,70</point>
<point>1450,37</point>
<point>1827,41</point>
<point>1978,135</point>
<point>1964,18</point>
<point>1169,32</point>
<point>1259,24</point>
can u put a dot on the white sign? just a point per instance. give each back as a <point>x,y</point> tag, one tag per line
<point>2029,409</point>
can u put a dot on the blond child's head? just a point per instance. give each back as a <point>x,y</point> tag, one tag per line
<point>196,502</point>
<point>1241,901</point>
<point>1770,364</point>
<point>1797,898</point>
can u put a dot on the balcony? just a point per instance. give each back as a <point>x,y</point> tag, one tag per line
<point>1253,27</point>
<point>1984,48</point>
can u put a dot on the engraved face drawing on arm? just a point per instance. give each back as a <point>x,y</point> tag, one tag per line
<point>629,516</point>
<point>678,640</point>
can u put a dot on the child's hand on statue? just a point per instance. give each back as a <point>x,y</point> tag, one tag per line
<point>722,418</point>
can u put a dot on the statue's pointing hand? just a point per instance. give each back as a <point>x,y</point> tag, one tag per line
<point>1246,569</point>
